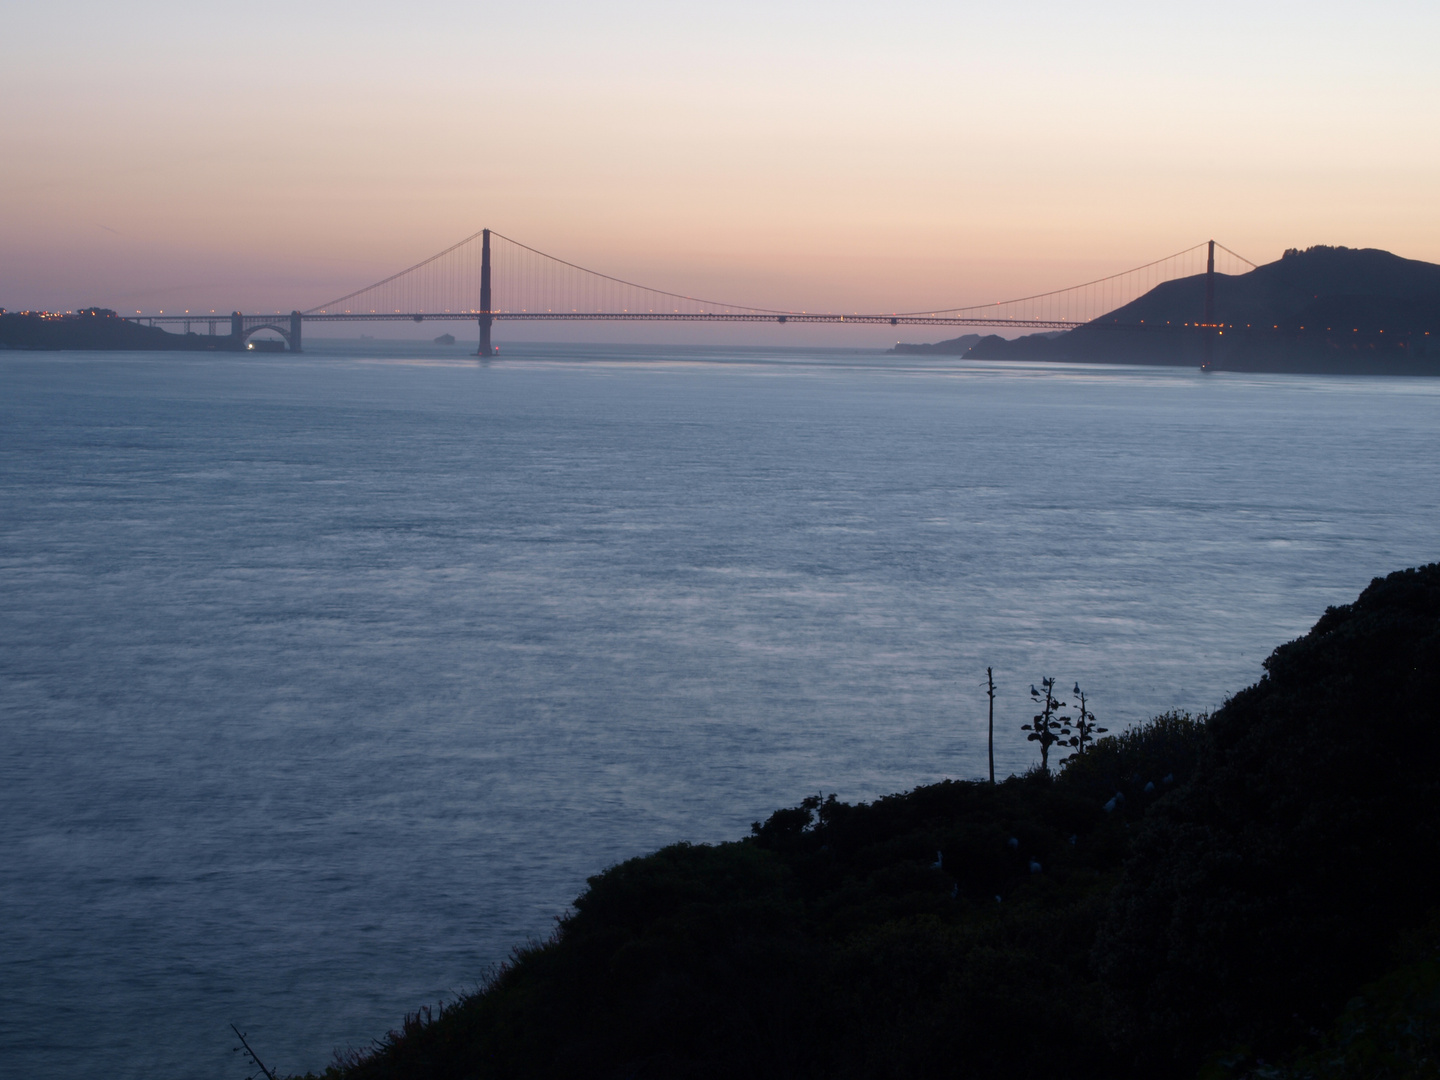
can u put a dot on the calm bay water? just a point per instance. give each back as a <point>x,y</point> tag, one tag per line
<point>325,680</point>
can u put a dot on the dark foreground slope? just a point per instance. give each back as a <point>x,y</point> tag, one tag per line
<point>1325,309</point>
<point>1285,856</point>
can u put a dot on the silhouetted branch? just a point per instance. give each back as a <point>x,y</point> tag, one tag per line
<point>252,1055</point>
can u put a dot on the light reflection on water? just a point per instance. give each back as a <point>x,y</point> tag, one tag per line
<point>328,679</point>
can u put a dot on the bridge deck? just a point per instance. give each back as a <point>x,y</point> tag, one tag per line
<point>627,316</point>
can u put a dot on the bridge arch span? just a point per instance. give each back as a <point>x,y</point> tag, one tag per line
<point>242,327</point>
<point>250,331</point>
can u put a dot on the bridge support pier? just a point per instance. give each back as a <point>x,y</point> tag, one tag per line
<point>295,331</point>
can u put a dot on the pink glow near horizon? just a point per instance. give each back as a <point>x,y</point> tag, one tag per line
<point>811,156</point>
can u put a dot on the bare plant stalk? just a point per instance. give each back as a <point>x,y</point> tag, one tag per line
<point>1085,729</point>
<point>252,1055</point>
<point>990,689</point>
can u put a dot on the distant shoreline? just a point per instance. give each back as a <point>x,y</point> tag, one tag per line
<point>99,329</point>
<point>1273,353</point>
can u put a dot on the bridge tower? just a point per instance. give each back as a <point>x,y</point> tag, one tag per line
<point>485,316</point>
<point>1210,286</point>
<point>1209,324</point>
<point>295,331</point>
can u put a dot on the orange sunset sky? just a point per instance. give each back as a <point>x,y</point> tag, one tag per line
<point>804,155</point>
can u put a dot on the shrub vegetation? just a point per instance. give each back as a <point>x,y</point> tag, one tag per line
<point>1250,893</point>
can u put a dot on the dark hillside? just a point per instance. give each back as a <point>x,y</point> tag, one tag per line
<point>1279,292</point>
<point>1256,900</point>
<point>1322,309</point>
<point>830,944</point>
<point>1188,892</point>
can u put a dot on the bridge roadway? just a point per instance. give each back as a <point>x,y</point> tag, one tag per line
<point>290,326</point>
<point>742,317</point>
<point>612,316</point>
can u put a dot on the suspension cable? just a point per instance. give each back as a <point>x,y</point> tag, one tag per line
<point>642,288</point>
<point>1069,289</point>
<point>594,277</point>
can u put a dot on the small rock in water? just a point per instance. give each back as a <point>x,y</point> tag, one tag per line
<point>1013,842</point>
<point>1150,788</point>
<point>1035,866</point>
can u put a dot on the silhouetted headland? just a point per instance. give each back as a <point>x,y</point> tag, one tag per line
<point>1321,310</point>
<point>950,347</point>
<point>98,328</point>
<point>1253,893</point>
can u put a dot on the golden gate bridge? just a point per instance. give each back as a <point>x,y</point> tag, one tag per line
<point>488,278</point>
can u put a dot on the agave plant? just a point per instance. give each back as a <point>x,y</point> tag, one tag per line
<point>1085,729</point>
<point>1047,727</point>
